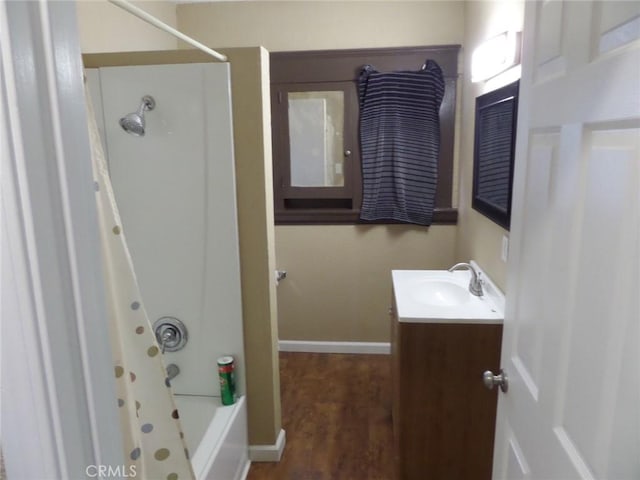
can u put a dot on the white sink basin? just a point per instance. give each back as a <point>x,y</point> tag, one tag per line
<point>439,296</point>
<point>439,293</point>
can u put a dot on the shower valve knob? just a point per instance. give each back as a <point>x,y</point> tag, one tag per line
<point>171,334</point>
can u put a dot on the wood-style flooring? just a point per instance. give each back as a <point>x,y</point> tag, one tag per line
<point>336,411</point>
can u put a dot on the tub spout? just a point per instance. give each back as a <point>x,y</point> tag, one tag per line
<point>475,284</point>
<point>172,371</point>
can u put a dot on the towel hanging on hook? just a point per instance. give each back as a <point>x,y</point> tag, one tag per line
<point>400,142</point>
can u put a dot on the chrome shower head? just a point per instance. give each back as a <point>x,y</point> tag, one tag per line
<point>133,123</point>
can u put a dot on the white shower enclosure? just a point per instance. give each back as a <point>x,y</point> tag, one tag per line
<point>175,189</point>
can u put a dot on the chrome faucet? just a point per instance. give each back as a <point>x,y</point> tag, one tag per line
<point>475,284</point>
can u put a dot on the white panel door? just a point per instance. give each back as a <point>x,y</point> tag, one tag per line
<point>571,343</point>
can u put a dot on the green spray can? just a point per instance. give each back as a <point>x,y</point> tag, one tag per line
<point>227,378</point>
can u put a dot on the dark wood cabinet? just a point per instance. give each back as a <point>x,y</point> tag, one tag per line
<point>443,416</point>
<point>338,71</point>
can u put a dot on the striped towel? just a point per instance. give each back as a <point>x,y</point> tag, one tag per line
<point>400,140</point>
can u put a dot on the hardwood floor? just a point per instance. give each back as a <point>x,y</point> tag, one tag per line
<point>336,411</point>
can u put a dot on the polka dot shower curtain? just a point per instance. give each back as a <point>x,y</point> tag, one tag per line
<point>153,439</point>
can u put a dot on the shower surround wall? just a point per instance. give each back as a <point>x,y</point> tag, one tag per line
<point>175,188</point>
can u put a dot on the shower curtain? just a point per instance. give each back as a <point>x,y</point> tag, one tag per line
<point>154,443</point>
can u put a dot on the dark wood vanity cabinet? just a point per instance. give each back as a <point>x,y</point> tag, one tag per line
<point>443,415</point>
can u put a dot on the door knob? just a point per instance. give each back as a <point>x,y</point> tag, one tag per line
<point>490,380</point>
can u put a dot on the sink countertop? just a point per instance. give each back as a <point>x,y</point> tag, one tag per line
<point>438,296</point>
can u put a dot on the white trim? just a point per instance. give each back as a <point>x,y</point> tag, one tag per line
<point>268,453</point>
<point>142,15</point>
<point>61,401</point>
<point>66,209</point>
<point>375,348</point>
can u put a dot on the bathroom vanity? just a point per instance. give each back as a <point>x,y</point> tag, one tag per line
<point>443,339</point>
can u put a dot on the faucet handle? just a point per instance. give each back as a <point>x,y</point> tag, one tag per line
<point>475,283</point>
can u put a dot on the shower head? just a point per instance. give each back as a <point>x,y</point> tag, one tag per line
<point>133,123</point>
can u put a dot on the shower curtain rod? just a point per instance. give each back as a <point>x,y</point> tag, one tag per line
<point>141,14</point>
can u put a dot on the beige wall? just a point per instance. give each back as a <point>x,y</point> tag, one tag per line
<point>318,25</point>
<point>338,286</point>
<point>478,237</point>
<point>252,133</point>
<point>103,27</point>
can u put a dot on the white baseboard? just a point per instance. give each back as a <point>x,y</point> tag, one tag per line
<point>377,348</point>
<point>268,453</point>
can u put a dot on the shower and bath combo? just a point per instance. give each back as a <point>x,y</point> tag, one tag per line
<point>134,123</point>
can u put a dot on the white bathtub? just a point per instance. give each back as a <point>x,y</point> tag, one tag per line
<point>216,436</point>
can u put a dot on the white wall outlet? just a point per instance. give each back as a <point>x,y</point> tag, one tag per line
<point>504,255</point>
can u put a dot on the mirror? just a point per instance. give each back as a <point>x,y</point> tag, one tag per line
<point>495,139</point>
<point>316,123</point>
